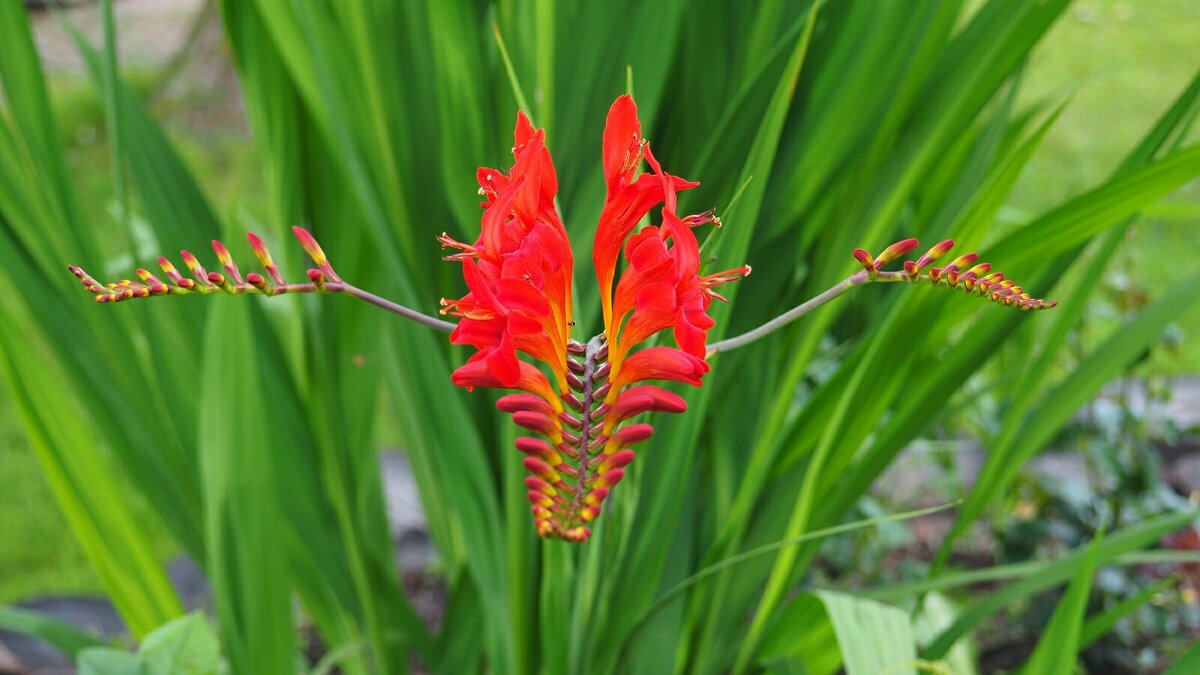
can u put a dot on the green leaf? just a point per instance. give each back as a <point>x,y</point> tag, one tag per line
<point>831,630</point>
<point>1059,643</point>
<point>110,661</point>
<point>247,563</point>
<point>187,646</point>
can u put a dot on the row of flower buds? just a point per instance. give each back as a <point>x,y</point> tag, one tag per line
<point>584,452</point>
<point>231,281</point>
<point>963,273</point>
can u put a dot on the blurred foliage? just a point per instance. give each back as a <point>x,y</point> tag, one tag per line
<point>251,431</point>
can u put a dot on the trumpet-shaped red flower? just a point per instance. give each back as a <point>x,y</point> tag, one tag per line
<point>518,276</point>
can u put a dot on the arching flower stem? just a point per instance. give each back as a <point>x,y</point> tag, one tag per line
<point>856,279</point>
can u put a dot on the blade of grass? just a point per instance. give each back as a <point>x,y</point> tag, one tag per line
<point>1056,649</point>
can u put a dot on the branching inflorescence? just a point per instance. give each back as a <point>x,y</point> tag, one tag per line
<point>519,274</point>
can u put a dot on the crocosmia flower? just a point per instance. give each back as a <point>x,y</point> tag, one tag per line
<point>518,275</point>
<point>576,397</point>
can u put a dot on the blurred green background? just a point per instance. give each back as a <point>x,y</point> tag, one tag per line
<point>1120,61</point>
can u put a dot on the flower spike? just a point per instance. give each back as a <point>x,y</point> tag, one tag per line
<point>978,280</point>
<point>321,280</point>
<point>518,302</point>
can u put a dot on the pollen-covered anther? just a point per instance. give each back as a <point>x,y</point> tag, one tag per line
<point>634,155</point>
<point>466,251</point>
<point>702,218</point>
<point>723,277</point>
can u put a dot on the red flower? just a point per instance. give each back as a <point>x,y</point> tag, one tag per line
<point>519,271</point>
<point>518,276</point>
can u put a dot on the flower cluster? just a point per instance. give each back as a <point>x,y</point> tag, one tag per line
<point>518,276</point>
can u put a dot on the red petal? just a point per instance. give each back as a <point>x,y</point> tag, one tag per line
<point>522,132</point>
<point>661,363</point>
<point>646,397</point>
<point>656,297</point>
<point>622,136</point>
<point>535,421</point>
<point>633,433</point>
<point>475,373</point>
<point>502,362</point>
<point>531,402</point>
<point>615,461</point>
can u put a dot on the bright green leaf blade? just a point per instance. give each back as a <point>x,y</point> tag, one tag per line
<point>1056,649</point>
